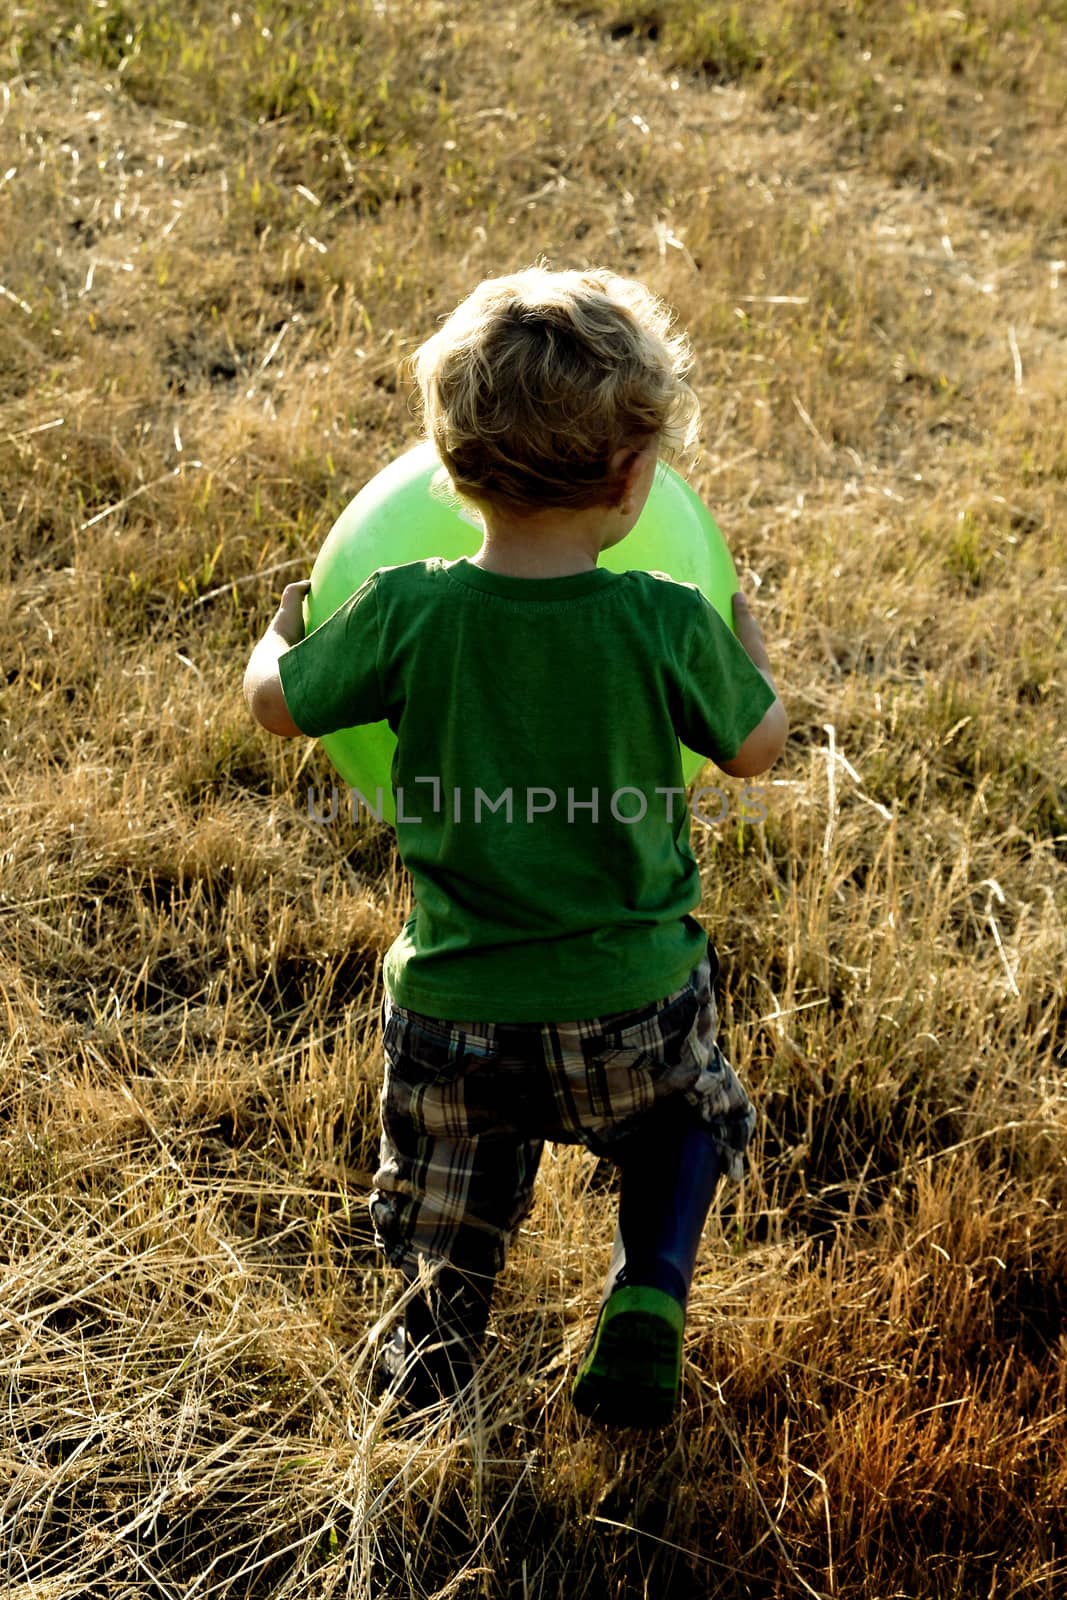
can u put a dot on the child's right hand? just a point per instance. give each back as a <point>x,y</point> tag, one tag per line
<point>765,743</point>
<point>748,631</point>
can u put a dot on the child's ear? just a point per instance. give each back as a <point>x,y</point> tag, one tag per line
<point>627,466</point>
<point>626,469</point>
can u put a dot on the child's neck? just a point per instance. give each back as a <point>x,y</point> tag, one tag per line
<point>546,544</point>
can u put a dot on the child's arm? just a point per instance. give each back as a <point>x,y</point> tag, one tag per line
<point>766,741</point>
<point>263,684</point>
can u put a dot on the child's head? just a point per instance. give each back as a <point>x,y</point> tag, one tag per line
<point>539,380</point>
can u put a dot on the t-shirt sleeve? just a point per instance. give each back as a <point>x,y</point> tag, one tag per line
<point>330,679</point>
<point>722,698</point>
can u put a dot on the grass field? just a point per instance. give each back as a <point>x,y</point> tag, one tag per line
<point>223,228</point>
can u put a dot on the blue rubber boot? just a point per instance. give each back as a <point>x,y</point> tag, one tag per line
<point>630,1373</point>
<point>435,1352</point>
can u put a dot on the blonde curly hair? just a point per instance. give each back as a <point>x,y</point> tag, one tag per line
<point>538,379</point>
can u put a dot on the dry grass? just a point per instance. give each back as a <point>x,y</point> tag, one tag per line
<point>222,231</point>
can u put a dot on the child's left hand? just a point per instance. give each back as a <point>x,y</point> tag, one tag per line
<point>262,685</point>
<point>289,618</point>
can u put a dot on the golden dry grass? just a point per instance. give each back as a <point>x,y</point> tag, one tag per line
<point>222,230</point>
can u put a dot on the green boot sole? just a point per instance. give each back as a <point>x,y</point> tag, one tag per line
<point>630,1374</point>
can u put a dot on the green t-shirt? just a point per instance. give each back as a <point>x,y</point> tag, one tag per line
<point>551,864</point>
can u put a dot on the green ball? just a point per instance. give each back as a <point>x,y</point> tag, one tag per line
<point>397,517</point>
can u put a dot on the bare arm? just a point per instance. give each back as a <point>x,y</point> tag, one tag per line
<point>766,741</point>
<point>263,684</point>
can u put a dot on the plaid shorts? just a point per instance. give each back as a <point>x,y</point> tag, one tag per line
<point>467,1108</point>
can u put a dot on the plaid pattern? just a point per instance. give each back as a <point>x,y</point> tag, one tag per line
<point>467,1108</point>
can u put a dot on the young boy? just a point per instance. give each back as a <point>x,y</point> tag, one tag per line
<point>551,982</point>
